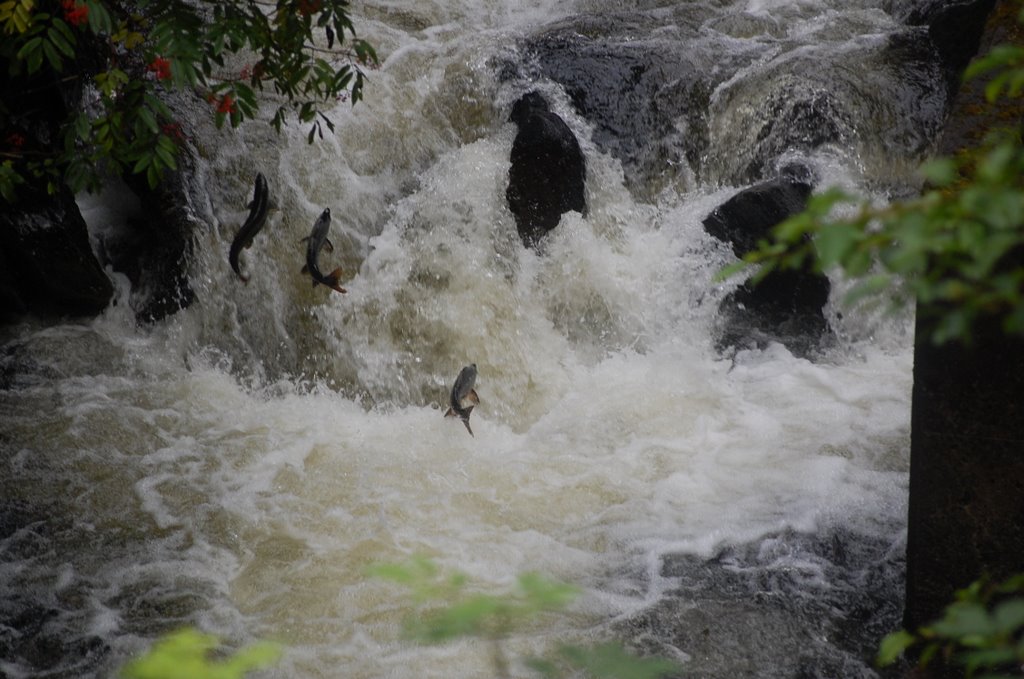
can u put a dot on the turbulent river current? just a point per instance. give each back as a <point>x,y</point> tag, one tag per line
<point>238,466</point>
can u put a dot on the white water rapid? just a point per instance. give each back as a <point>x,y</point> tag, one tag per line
<point>239,466</point>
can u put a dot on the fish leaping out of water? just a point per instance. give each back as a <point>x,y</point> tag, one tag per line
<point>253,223</point>
<point>318,241</point>
<point>463,397</point>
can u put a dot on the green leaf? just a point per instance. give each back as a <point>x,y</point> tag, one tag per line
<point>29,47</point>
<point>868,287</point>
<point>611,661</point>
<point>185,655</point>
<point>62,37</point>
<point>940,172</point>
<point>99,18</point>
<point>835,242</point>
<point>52,56</point>
<point>544,594</point>
<point>142,163</point>
<point>892,647</point>
<point>147,117</point>
<point>731,270</point>
<point>1009,616</point>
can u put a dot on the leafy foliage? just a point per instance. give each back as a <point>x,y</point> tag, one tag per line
<point>958,248</point>
<point>125,58</point>
<point>456,612</point>
<point>982,630</point>
<point>186,655</point>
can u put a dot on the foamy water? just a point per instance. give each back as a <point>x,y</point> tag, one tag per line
<point>239,466</point>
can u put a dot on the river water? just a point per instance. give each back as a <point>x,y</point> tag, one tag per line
<point>239,466</point>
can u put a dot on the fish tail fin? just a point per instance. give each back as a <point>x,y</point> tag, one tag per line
<point>333,278</point>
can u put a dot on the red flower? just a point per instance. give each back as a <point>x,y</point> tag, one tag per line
<point>307,7</point>
<point>173,130</point>
<point>161,67</point>
<point>226,105</point>
<point>15,140</point>
<point>74,13</point>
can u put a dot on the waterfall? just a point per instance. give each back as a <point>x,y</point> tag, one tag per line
<point>239,465</point>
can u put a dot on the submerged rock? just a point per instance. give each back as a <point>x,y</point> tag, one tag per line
<point>810,606</point>
<point>785,306</point>
<point>548,172</point>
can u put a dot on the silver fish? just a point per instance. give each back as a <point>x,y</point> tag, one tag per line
<point>462,394</point>
<point>317,241</point>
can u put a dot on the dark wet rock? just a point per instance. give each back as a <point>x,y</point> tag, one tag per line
<point>750,215</point>
<point>47,266</point>
<point>785,306</point>
<point>644,80</point>
<point>811,606</point>
<point>153,249</point>
<point>966,508</point>
<point>678,99</point>
<point>966,504</point>
<point>882,97</point>
<point>633,94</point>
<point>547,175</point>
<point>954,27</point>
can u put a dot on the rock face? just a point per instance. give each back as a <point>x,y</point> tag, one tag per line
<point>966,507</point>
<point>954,27</point>
<point>785,306</point>
<point>681,96</point>
<point>46,264</point>
<point>548,172</point>
<point>154,249</point>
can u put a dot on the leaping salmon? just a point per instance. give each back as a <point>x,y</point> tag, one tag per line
<point>463,393</point>
<point>317,241</point>
<point>253,223</point>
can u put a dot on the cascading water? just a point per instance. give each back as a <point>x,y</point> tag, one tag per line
<point>238,466</point>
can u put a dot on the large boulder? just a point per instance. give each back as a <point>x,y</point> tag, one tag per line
<point>786,306</point>
<point>548,172</point>
<point>688,94</point>
<point>47,266</point>
<point>646,97</point>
